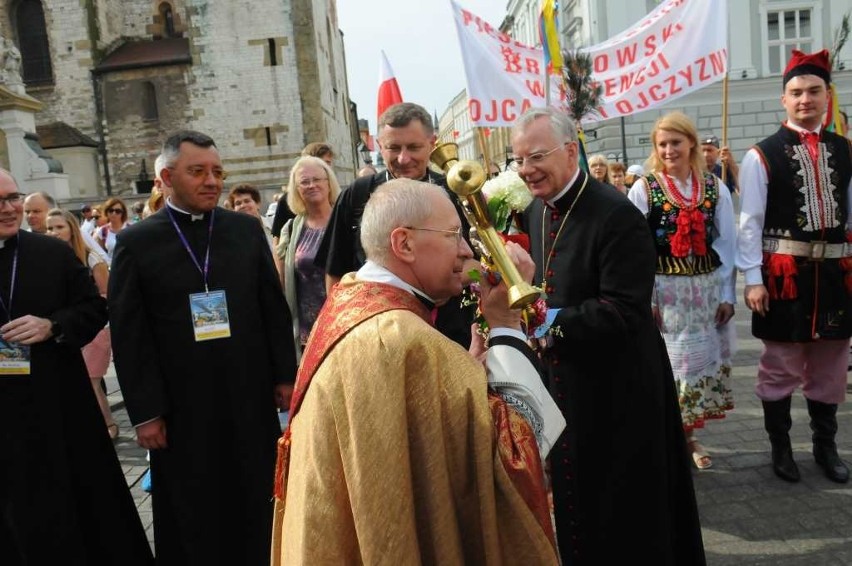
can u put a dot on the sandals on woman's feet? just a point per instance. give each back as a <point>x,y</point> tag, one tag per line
<point>112,429</point>
<point>700,457</point>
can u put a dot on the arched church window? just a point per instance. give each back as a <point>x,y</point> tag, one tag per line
<point>31,30</point>
<point>167,16</point>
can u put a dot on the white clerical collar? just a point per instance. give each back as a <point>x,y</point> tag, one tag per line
<point>374,272</point>
<point>2,244</point>
<point>800,129</point>
<point>552,202</point>
<point>194,217</point>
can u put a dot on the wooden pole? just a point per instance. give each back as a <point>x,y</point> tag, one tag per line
<point>724,123</point>
<point>483,149</point>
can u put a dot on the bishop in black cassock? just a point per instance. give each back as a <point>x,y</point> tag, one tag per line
<point>622,487</point>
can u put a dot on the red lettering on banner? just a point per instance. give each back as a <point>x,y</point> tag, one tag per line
<point>532,66</point>
<point>467,17</point>
<point>670,30</point>
<point>484,27</point>
<point>717,60</point>
<point>509,105</point>
<point>627,55</point>
<point>687,74</point>
<point>493,116</point>
<point>602,112</point>
<point>512,59</point>
<point>672,81</point>
<point>609,88</point>
<point>535,87</point>
<point>650,45</point>
<point>497,111</point>
<point>601,63</point>
<point>475,109</point>
<point>702,69</point>
<point>624,106</point>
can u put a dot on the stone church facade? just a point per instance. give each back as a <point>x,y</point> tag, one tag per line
<point>262,77</point>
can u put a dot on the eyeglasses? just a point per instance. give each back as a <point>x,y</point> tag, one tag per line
<point>457,232</point>
<point>308,181</point>
<point>114,211</point>
<point>13,200</point>
<point>534,160</point>
<point>201,172</point>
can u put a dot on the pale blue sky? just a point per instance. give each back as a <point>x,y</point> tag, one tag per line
<point>419,37</point>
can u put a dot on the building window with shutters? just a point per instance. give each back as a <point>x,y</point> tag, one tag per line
<point>788,27</point>
<point>31,30</point>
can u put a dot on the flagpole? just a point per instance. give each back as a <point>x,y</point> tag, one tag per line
<point>483,149</point>
<point>724,123</point>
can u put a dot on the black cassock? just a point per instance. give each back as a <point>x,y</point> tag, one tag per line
<point>63,496</point>
<point>622,486</point>
<point>212,486</point>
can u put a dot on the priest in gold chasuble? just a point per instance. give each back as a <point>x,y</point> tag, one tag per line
<point>403,448</point>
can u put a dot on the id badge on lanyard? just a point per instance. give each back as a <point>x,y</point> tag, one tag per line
<point>14,358</point>
<point>209,315</point>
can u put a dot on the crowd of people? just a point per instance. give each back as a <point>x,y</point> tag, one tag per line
<point>325,352</point>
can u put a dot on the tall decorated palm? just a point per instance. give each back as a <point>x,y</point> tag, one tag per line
<point>583,93</point>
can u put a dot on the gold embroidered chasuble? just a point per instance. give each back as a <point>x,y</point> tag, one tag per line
<point>397,453</point>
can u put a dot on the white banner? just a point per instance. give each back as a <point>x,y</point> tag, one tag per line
<point>677,49</point>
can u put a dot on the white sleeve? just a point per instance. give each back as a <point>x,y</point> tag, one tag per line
<point>517,381</point>
<point>753,181</point>
<point>726,244</point>
<point>638,195</point>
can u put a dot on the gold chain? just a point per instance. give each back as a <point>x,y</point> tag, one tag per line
<point>558,233</point>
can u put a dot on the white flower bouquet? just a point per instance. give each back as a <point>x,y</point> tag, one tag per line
<point>507,195</point>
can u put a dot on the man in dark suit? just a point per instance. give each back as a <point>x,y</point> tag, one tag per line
<point>406,139</point>
<point>621,480</point>
<point>63,496</point>
<point>203,345</point>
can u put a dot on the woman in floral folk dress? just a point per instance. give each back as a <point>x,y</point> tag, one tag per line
<point>691,216</point>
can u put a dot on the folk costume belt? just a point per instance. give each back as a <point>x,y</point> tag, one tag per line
<point>815,250</point>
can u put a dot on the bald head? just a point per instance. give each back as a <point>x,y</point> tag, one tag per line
<point>11,206</point>
<point>36,206</point>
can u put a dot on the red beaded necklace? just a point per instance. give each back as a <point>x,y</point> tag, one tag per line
<point>691,233</point>
<point>677,196</point>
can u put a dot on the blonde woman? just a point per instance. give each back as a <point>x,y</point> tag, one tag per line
<point>63,225</point>
<point>691,217</point>
<point>599,168</point>
<point>311,194</point>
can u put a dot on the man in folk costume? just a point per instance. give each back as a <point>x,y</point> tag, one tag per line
<point>793,249</point>
<point>402,448</point>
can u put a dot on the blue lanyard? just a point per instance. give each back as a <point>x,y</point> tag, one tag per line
<point>8,308</point>
<point>206,269</point>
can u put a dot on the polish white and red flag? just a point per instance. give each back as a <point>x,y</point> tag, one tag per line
<point>389,93</point>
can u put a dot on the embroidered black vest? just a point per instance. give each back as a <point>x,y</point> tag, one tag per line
<point>662,219</point>
<point>806,202</point>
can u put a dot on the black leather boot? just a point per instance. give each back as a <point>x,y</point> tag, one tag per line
<point>824,425</point>
<point>777,421</point>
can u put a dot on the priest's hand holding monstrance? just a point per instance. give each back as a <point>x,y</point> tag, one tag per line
<point>465,179</point>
